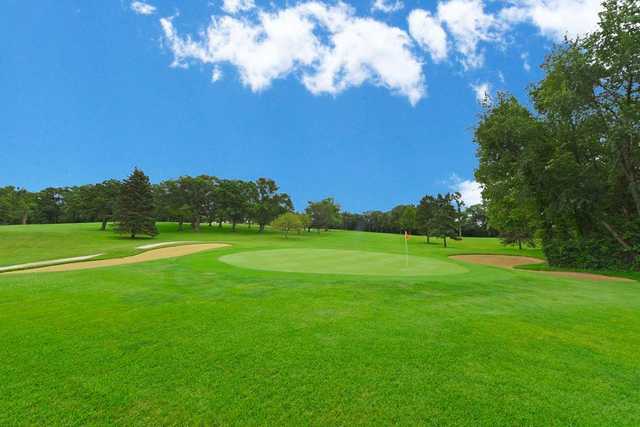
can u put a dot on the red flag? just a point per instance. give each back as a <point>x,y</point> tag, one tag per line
<point>406,235</point>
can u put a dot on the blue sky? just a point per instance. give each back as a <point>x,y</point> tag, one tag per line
<point>372,102</point>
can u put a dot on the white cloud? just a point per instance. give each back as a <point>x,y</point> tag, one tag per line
<point>216,74</point>
<point>142,8</point>
<point>556,18</point>
<point>482,92</point>
<point>327,47</point>
<point>235,6</point>
<point>469,25</point>
<point>387,6</point>
<point>471,191</point>
<point>525,62</point>
<point>429,34</point>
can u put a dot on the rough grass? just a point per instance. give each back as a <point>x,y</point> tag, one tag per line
<point>194,340</point>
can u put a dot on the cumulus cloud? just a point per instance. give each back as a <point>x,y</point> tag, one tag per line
<point>428,33</point>
<point>387,6</point>
<point>471,191</point>
<point>555,18</point>
<point>327,47</point>
<point>142,8</point>
<point>469,25</point>
<point>482,92</point>
<point>235,6</point>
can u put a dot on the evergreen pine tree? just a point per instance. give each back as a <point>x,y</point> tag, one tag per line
<point>136,208</point>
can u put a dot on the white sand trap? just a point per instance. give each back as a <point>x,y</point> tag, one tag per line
<point>158,245</point>
<point>46,263</point>
<point>151,255</point>
<point>511,261</point>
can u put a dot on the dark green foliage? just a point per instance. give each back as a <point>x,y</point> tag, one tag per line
<point>573,170</point>
<point>16,205</point>
<point>425,216</point>
<point>135,213</point>
<point>475,222</point>
<point>269,204</point>
<point>324,214</point>
<point>445,218</point>
<point>236,199</point>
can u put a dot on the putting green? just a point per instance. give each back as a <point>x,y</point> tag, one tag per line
<point>332,261</point>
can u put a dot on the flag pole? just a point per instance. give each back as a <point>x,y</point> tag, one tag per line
<point>406,248</point>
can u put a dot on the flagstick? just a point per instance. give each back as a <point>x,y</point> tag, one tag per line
<point>406,249</point>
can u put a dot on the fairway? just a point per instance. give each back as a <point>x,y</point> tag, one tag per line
<point>258,333</point>
<point>332,261</point>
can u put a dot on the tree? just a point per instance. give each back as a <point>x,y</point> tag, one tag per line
<point>457,199</point>
<point>135,213</point>
<point>269,203</point>
<point>194,195</point>
<point>287,222</point>
<point>212,208</point>
<point>49,204</point>
<point>306,221</point>
<point>425,216</point>
<point>170,202</point>
<point>324,214</point>
<point>475,222</point>
<point>507,136</point>
<point>103,199</point>
<point>16,205</point>
<point>407,219</point>
<point>236,199</point>
<point>444,218</point>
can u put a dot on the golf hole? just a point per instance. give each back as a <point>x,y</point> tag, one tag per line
<point>333,261</point>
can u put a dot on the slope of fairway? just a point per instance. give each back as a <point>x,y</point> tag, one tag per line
<point>333,261</point>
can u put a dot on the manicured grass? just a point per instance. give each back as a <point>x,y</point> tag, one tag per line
<point>195,340</point>
<point>21,244</point>
<point>335,261</point>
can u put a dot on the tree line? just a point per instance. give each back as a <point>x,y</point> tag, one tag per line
<point>135,204</point>
<point>567,171</point>
<point>186,199</point>
<point>441,215</point>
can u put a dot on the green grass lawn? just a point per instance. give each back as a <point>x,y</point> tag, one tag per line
<point>197,340</point>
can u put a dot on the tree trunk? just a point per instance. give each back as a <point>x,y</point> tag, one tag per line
<point>220,223</point>
<point>133,235</point>
<point>628,170</point>
<point>233,226</point>
<point>445,241</point>
<point>195,223</point>
<point>616,236</point>
<point>519,244</point>
<point>104,224</point>
<point>25,216</point>
<point>261,228</point>
<point>428,238</point>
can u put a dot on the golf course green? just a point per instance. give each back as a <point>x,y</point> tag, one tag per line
<point>256,333</point>
<point>332,261</point>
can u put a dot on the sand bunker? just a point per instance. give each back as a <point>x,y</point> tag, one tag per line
<point>509,261</point>
<point>152,255</point>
